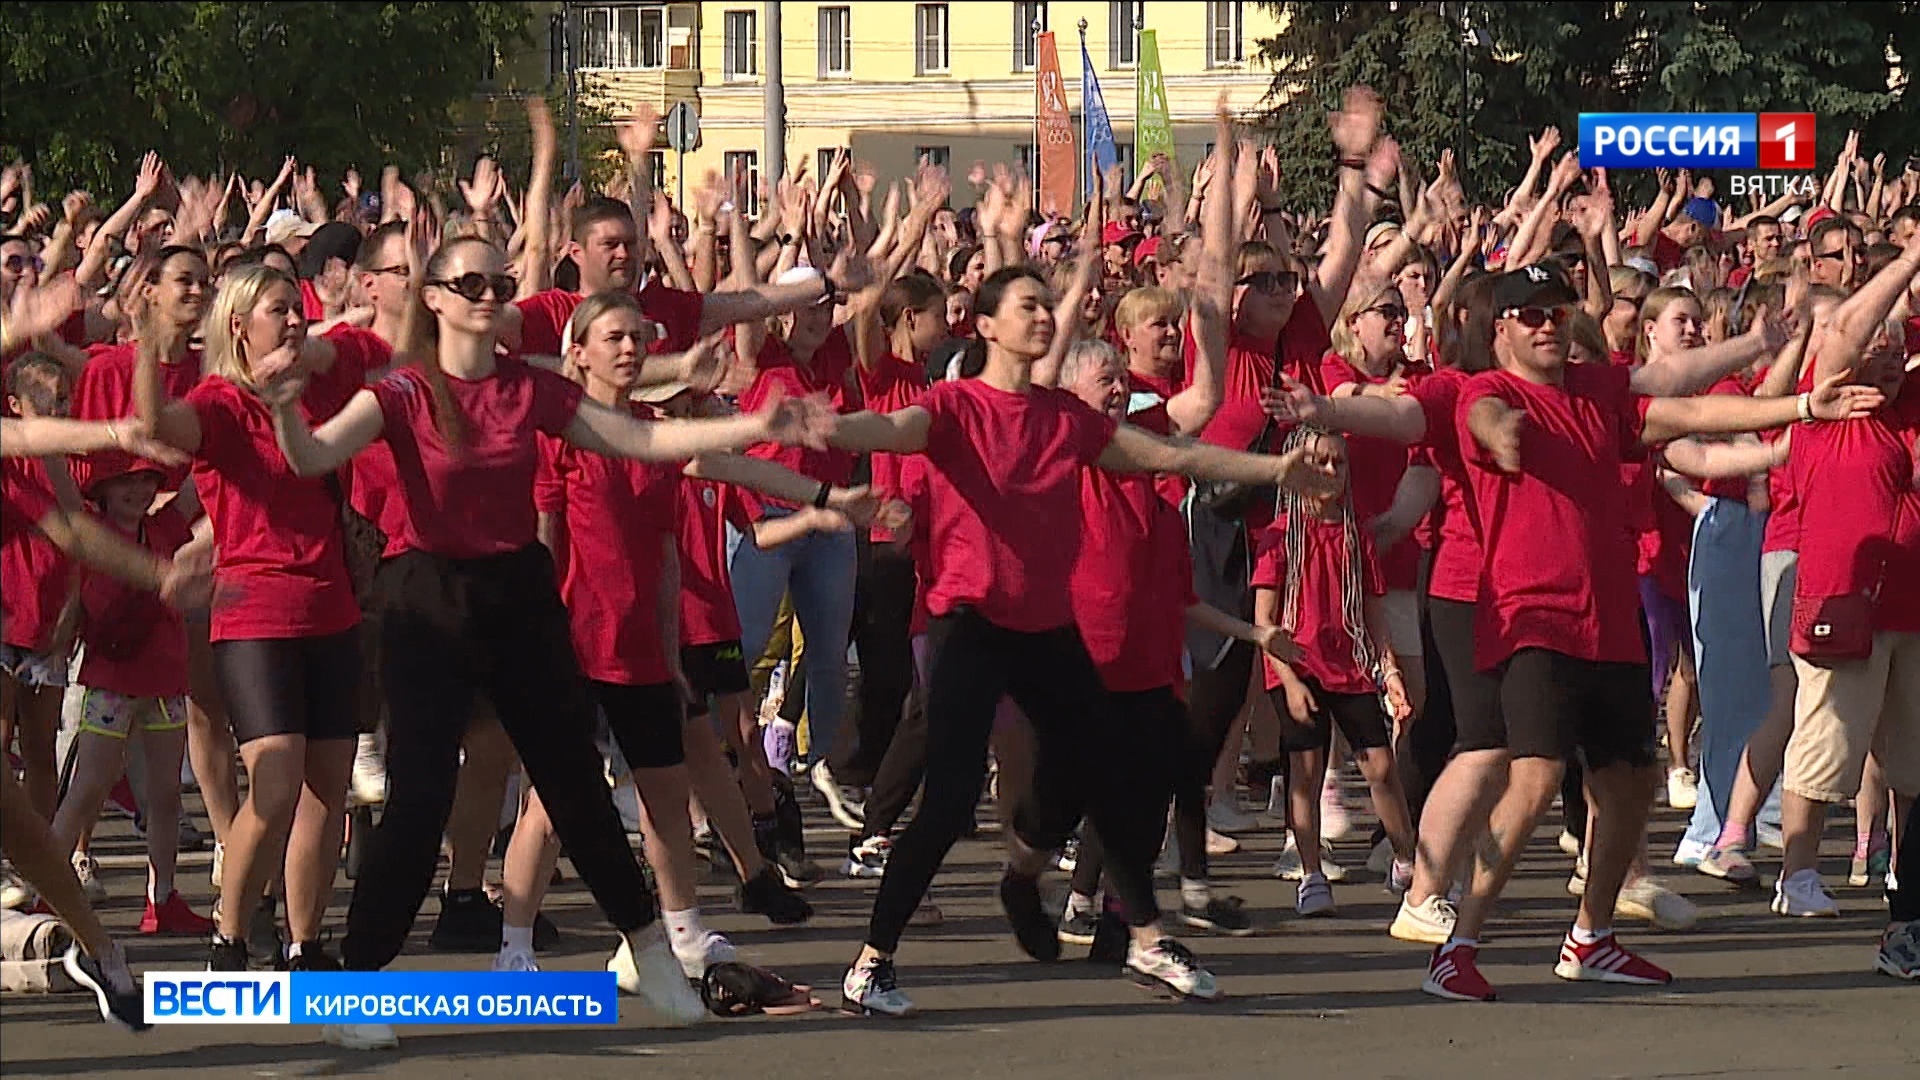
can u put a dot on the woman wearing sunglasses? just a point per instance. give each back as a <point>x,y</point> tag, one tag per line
<point>470,600</point>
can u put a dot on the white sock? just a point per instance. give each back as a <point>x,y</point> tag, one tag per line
<point>1582,936</point>
<point>685,932</point>
<point>517,938</point>
<point>293,951</point>
<point>1454,943</point>
<point>1194,894</point>
<point>1081,904</point>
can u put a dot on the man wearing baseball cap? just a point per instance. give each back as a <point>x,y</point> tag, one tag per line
<point>1117,241</point>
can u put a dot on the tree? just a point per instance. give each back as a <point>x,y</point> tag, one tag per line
<point>89,87</point>
<point>1530,65</point>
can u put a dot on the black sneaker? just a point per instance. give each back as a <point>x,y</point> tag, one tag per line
<point>1078,927</point>
<point>264,943</point>
<point>795,868</point>
<point>1222,915</point>
<point>312,957</point>
<point>767,895</point>
<point>1110,940</point>
<point>469,923</point>
<point>1032,926</point>
<point>786,809</point>
<point>119,1005</point>
<point>226,954</point>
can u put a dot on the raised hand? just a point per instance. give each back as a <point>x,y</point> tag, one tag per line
<point>1565,172</point>
<point>485,189</point>
<point>74,205</point>
<point>1544,146</point>
<point>351,185</point>
<point>1356,127</point>
<point>851,272</point>
<point>37,310</point>
<point>637,135</point>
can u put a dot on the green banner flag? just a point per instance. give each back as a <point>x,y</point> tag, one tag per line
<point>1152,130</point>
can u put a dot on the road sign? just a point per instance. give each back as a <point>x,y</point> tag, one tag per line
<point>683,127</point>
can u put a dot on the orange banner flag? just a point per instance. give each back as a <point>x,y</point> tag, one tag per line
<point>1059,158</point>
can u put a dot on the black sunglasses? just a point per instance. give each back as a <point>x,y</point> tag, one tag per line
<point>473,287</point>
<point>1533,318</point>
<point>399,268</point>
<point>1389,312</point>
<point>1272,282</point>
<point>1857,254</point>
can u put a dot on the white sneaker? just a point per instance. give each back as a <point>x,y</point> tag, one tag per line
<point>870,990</point>
<point>654,973</point>
<point>1683,788</point>
<point>15,895</point>
<point>360,1036</point>
<point>1569,843</point>
<point>1171,966</point>
<point>711,949</point>
<point>1314,897</point>
<point>626,799</point>
<point>845,805</point>
<point>1804,895</point>
<point>1380,859</point>
<point>1429,923</point>
<point>1287,867</point>
<point>1335,822</point>
<point>1224,816</point>
<point>88,871</point>
<point>868,858</point>
<point>510,959</point>
<point>369,773</point>
<point>1219,843</point>
<point>1648,899</point>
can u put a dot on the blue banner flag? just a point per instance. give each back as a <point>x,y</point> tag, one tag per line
<point>1102,153</point>
<point>382,997</point>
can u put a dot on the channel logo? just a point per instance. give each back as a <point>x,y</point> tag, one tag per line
<point>1697,140</point>
<point>386,997</point>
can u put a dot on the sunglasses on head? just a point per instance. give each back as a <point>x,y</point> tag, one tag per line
<point>1533,317</point>
<point>473,287</point>
<point>1272,282</point>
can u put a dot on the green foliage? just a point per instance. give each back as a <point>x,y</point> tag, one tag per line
<point>89,87</point>
<point>1538,64</point>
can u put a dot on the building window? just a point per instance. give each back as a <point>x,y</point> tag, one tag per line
<point>1029,19</point>
<point>930,36</point>
<point>1124,20</point>
<point>932,155</point>
<point>1123,157</point>
<point>823,160</point>
<point>742,60</point>
<point>556,47</point>
<point>657,169</point>
<point>836,42</point>
<point>743,167</point>
<point>1028,160</point>
<point>624,36</point>
<point>1226,42</point>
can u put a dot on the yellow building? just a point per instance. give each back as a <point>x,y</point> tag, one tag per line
<point>895,79</point>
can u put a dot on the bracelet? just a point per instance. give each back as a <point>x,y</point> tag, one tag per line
<point>1351,163</point>
<point>113,436</point>
<point>1806,408</point>
<point>1381,193</point>
<point>788,239</point>
<point>820,497</point>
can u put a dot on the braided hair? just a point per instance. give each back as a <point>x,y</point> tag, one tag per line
<point>1353,598</point>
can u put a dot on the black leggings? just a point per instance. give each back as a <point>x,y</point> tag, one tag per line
<point>1149,729</point>
<point>883,634</point>
<point>1903,904</point>
<point>1215,698</point>
<point>449,628</point>
<point>1425,748</point>
<point>291,686</point>
<point>1077,769</point>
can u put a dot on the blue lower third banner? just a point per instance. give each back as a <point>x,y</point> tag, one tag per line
<point>382,997</point>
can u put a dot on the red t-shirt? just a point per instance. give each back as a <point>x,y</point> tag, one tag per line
<point>1004,499</point>
<point>619,516</point>
<point>1665,550</point>
<point>1147,410</point>
<point>1734,487</point>
<point>136,644</point>
<point>1375,468</point>
<point>1457,561</point>
<point>104,391</point>
<point>477,500</point>
<point>282,569</point>
<point>35,576</point>
<point>1131,590</point>
<point>357,353</point>
<point>913,490</point>
<point>1783,485</point>
<point>1559,564</point>
<point>544,315</point>
<point>1250,370</point>
<point>707,614</point>
<point>826,373</point>
<point>310,303</point>
<point>1326,645</point>
<point>1860,509</point>
<point>890,385</point>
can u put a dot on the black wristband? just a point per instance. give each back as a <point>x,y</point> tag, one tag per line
<point>827,283</point>
<point>1352,163</point>
<point>820,497</point>
<point>1381,193</point>
<point>787,238</point>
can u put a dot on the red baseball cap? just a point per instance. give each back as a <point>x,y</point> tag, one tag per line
<point>1118,233</point>
<point>1148,251</point>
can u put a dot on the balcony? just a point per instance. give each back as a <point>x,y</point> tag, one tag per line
<point>622,89</point>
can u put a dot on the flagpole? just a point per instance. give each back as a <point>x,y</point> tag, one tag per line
<point>1037,76</point>
<point>1086,145</point>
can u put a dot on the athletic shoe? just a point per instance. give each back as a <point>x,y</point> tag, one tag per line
<point>1068,856</point>
<point>1577,881</point>
<point>1430,922</point>
<point>173,916</point>
<point>1314,897</point>
<point>1649,900</point>
<point>1380,858</point>
<point>1899,954</point>
<point>868,858</point>
<point>191,838</point>
<point>927,913</point>
<point>511,959</point>
<point>767,895</point>
<point>469,922</point>
<point>311,957</point>
<point>1078,927</point>
<point>780,739</point>
<point>1728,864</point>
<point>796,870</point>
<point>1770,836</point>
<point>88,871</point>
<point>1683,788</point>
<point>1569,843</point>
<point>655,974</point>
<point>1335,822</point>
<point>870,989</point>
<point>114,991</point>
<point>712,948</point>
<point>1803,895</point>
<point>1287,867</point>
<point>1170,966</point>
<point>120,800</point>
<point>1218,844</point>
<point>1606,960</point>
<point>360,1036</point>
<point>226,954</point>
<point>1873,863</point>
<point>1400,877</point>
<point>1454,974</point>
<point>1033,927</point>
<point>843,803</point>
<point>1224,816</point>
<point>369,786</point>
<point>264,942</point>
<point>1221,914</point>
<point>15,895</point>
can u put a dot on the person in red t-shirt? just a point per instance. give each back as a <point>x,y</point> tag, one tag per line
<point>135,674</point>
<point>1317,578</point>
<point>470,595</point>
<point>1003,458</point>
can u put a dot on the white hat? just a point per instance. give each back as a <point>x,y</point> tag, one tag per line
<point>284,225</point>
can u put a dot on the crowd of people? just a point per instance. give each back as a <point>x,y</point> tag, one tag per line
<point>590,514</point>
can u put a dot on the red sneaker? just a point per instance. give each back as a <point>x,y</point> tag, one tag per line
<point>1606,961</point>
<point>121,798</point>
<point>174,917</point>
<point>1455,975</point>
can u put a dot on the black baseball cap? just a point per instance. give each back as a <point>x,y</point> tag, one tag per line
<point>1538,285</point>
<point>334,240</point>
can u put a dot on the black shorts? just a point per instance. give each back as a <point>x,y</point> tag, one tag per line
<point>713,670</point>
<point>1360,716</point>
<point>291,686</point>
<point>1558,706</point>
<point>645,721</point>
<point>1475,694</point>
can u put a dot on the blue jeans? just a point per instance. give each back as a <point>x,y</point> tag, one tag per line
<point>818,569</point>
<point>1730,653</point>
